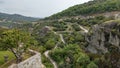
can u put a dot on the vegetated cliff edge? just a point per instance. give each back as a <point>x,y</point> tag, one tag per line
<point>32,62</point>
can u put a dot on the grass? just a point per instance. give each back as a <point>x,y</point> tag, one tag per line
<point>8,53</point>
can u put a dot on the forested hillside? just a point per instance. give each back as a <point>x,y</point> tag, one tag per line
<point>66,40</point>
<point>16,17</point>
<point>15,20</point>
<point>91,41</point>
<point>91,7</point>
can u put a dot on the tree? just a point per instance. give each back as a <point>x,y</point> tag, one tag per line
<point>16,41</point>
<point>50,44</point>
<point>70,56</point>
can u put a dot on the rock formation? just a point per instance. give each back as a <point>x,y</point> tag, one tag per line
<point>102,36</point>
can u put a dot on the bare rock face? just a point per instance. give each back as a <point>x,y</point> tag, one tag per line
<point>102,37</point>
<point>32,62</point>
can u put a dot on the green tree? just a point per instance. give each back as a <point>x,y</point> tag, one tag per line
<point>50,44</point>
<point>71,56</point>
<point>16,41</point>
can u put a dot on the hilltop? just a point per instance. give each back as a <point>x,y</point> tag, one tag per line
<point>16,17</point>
<point>14,20</point>
<point>89,8</point>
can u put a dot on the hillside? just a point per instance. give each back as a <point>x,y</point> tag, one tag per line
<point>15,20</point>
<point>91,7</point>
<point>82,36</point>
<point>16,17</point>
<point>90,32</point>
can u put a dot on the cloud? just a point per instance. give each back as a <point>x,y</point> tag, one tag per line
<point>1,2</point>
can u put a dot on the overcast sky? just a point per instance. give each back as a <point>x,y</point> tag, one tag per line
<point>36,8</point>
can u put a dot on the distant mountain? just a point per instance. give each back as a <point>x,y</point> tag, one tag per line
<point>15,20</point>
<point>91,7</point>
<point>16,17</point>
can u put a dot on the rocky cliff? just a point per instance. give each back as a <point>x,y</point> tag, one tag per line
<point>103,36</point>
<point>104,39</point>
<point>32,62</point>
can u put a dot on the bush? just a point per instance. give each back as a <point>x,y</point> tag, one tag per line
<point>83,59</point>
<point>92,65</point>
<point>50,44</point>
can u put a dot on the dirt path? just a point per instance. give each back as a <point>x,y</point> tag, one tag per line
<point>52,61</point>
<point>85,30</point>
<point>61,37</point>
<point>46,53</point>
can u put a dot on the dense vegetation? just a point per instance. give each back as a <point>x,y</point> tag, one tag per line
<point>64,38</point>
<point>89,21</point>
<point>91,7</point>
<point>16,41</point>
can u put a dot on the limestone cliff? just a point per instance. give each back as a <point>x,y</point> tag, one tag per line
<point>102,37</point>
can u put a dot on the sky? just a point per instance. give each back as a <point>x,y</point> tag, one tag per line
<point>37,8</point>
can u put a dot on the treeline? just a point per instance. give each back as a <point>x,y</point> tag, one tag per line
<point>91,7</point>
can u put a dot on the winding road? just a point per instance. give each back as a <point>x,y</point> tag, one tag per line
<point>46,53</point>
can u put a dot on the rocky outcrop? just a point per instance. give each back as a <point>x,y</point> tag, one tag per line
<point>32,62</point>
<point>101,37</point>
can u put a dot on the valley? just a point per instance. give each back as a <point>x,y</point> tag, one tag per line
<point>83,36</point>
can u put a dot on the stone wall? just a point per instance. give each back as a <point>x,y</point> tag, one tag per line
<point>32,62</point>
